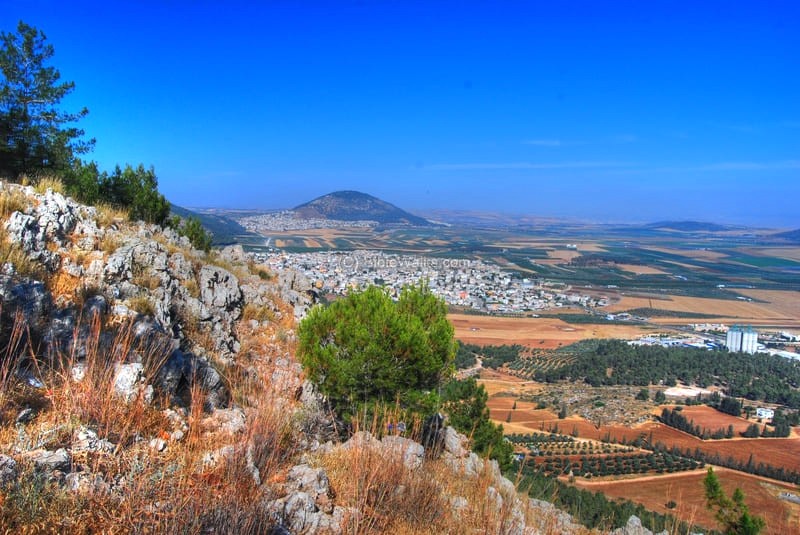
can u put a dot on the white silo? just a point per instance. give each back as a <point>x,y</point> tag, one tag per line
<point>733,341</point>
<point>749,340</point>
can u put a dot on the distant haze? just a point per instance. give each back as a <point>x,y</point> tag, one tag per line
<point>603,111</point>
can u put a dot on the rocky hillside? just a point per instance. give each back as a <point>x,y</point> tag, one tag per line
<point>356,206</point>
<point>149,387</point>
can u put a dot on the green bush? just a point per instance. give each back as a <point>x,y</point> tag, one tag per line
<point>366,348</point>
<point>192,228</point>
<point>464,402</point>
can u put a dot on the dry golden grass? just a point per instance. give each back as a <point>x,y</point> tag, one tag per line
<point>142,305</point>
<point>49,183</point>
<point>258,313</point>
<point>174,491</point>
<point>192,287</point>
<point>782,302</point>
<point>108,215</point>
<point>12,200</point>
<point>13,254</point>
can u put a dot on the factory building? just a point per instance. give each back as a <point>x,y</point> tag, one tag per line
<point>742,339</point>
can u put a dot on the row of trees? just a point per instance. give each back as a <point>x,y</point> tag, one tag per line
<point>39,139</point>
<point>750,466</point>
<point>674,418</point>
<point>492,356</point>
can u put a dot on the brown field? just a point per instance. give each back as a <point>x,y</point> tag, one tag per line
<point>712,419</point>
<point>542,333</point>
<point>783,302</point>
<point>563,255</point>
<point>641,270</point>
<point>701,254</point>
<point>686,489</point>
<point>725,308</point>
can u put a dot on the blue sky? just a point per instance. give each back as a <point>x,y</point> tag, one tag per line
<point>604,111</point>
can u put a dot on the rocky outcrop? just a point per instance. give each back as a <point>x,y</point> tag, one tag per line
<point>172,319</point>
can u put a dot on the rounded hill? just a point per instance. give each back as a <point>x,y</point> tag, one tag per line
<point>356,206</point>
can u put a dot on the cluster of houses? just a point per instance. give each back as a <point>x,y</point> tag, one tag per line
<point>472,284</point>
<point>286,220</point>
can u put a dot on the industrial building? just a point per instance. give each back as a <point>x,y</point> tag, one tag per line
<point>742,339</point>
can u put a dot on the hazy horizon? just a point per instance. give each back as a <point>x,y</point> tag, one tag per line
<point>618,111</point>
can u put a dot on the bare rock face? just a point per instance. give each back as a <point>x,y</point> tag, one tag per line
<point>50,220</point>
<point>220,289</point>
<point>29,297</point>
<point>296,290</point>
<point>51,461</point>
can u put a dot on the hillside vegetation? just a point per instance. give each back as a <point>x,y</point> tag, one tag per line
<point>148,386</point>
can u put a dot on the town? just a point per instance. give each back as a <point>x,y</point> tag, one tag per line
<point>287,220</point>
<point>471,284</point>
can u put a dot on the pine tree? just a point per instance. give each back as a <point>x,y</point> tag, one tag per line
<point>35,135</point>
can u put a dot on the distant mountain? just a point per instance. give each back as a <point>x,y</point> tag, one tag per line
<point>791,235</point>
<point>356,206</point>
<point>223,229</point>
<point>688,226</point>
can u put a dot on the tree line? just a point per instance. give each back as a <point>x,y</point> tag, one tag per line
<point>38,139</point>
<point>759,377</point>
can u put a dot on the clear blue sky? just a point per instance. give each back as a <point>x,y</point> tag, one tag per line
<point>606,111</point>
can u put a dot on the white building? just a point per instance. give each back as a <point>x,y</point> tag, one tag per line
<point>766,414</point>
<point>741,339</point>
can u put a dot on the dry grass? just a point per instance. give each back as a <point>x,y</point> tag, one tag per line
<point>49,183</point>
<point>108,215</point>
<point>139,490</point>
<point>725,308</point>
<point>13,254</point>
<point>146,279</point>
<point>142,305</point>
<point>192,287</point>
<point>12,200</point>
<point>392,498</point>
<point>109,243</point>
<point>258,313</point>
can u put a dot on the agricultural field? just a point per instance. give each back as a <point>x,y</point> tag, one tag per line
<point>709,418</point>
<point>766,307</point>
<point>686,490</point>
<point>536,333</point>
<point>778,452</point>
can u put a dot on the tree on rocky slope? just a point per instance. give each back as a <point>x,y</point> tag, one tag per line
<point>35,134</point>
<point>366,348</point>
